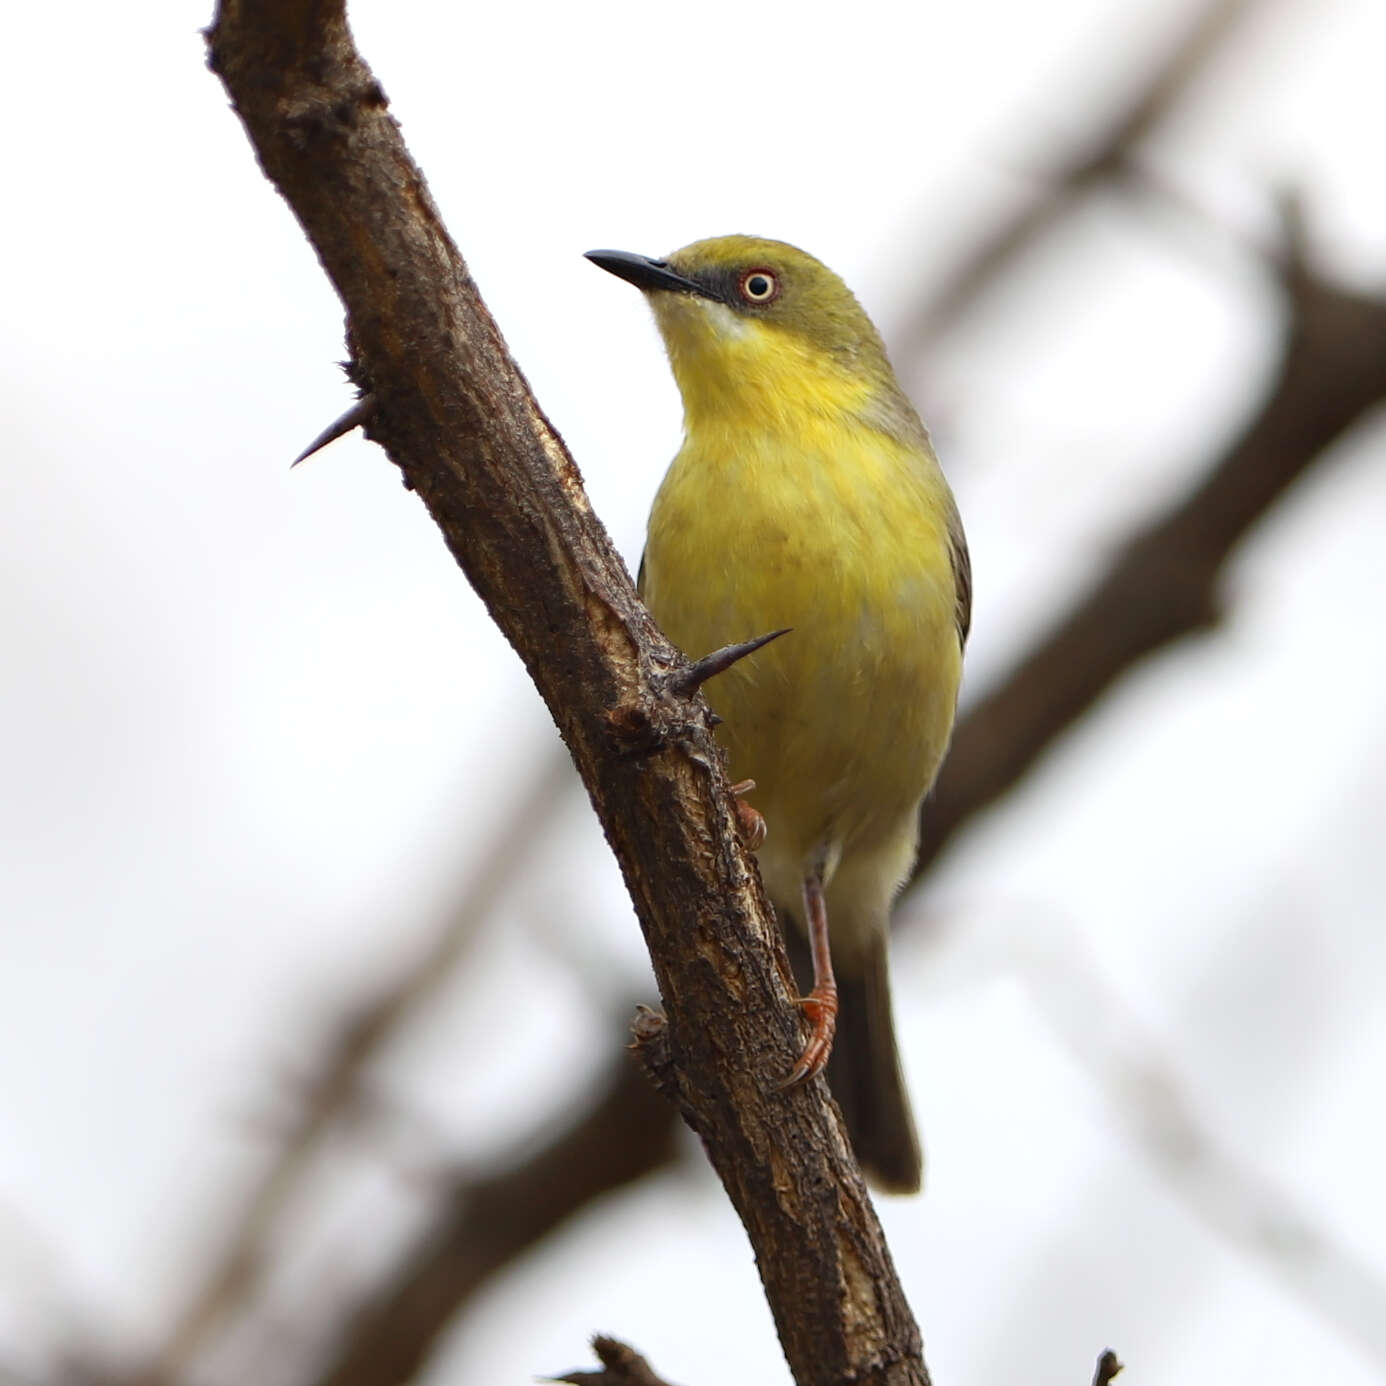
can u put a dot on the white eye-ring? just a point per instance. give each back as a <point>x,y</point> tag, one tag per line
<point>759,286</point>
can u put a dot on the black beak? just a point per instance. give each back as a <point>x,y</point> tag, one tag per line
<point>646,274</point>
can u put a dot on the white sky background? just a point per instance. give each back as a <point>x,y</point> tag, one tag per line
<point>254,725</point>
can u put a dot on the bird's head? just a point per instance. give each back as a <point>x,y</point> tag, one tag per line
<point>754,324</point>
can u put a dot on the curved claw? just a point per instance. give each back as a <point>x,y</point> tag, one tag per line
<point>752,824</point>
<point>820,1005</point>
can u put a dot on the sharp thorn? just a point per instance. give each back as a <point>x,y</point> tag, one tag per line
<point>353,418</point>
<point>719,661</point>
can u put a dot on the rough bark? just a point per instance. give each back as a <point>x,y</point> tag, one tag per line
<point>457,417</point>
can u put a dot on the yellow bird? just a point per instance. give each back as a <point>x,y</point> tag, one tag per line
<point>807,495</point>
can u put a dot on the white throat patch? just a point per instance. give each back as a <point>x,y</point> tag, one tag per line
<point>723,320</point>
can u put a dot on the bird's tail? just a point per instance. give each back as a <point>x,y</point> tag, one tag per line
<point>864,1070</point>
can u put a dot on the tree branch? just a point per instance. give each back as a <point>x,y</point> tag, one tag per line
<point>1108,1368</point>
<point>457,417</point>
<point>621,1366</point>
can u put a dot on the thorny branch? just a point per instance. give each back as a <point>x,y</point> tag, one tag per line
<point>457,417</point>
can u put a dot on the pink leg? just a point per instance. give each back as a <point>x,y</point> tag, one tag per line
<point>820,1005</point>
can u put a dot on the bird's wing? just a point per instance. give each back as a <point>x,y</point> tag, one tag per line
<point>961,563</point>
<point>640,578</point>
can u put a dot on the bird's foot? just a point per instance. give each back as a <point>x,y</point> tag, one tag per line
<point>752,824</point>
<point>820,1005</point>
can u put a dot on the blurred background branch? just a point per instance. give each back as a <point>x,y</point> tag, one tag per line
<point>1094,160</point>
<point>627,1131</point>
<point>1145,1090</point>
<point>1162,584</point>
<point>328,1096</point>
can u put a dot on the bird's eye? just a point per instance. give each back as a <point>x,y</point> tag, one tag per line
<point>759,286</point>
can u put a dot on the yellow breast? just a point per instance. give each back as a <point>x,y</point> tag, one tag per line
<point>809,519</point>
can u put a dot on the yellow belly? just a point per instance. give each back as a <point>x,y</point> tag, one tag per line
<point>843,722</point>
